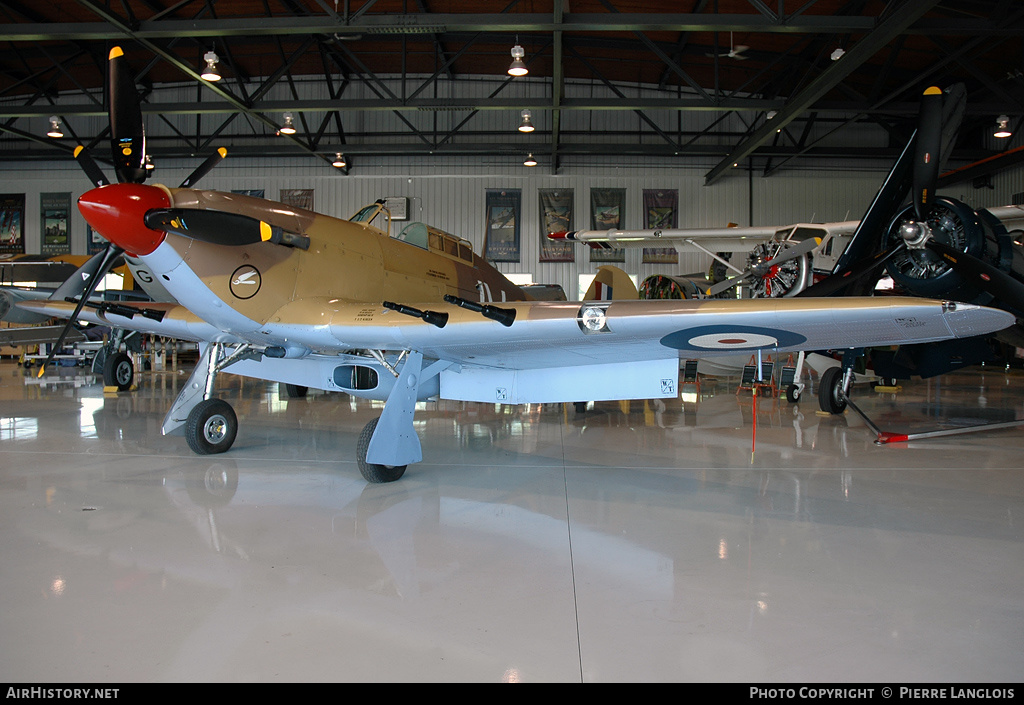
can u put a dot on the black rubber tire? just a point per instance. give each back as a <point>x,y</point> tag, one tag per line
<point>118,371</point>
<point>580,407</point>
<point>828,391</point>
<point>371,472</point>
<point>792,394</point>
<point>294,391</point>
<point>211,427</point>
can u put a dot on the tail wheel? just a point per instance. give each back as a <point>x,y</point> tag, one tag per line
<point>211,427</point>
<point>830,397</point>
<point>372,472</point>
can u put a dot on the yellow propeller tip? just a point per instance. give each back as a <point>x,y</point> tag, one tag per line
<point>265,231</point>
<point>222,152</point>
<point>114,53</point>
<point>932,90</point>
<point>42,369</point>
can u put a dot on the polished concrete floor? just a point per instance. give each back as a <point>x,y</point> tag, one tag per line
<point>716,537</point>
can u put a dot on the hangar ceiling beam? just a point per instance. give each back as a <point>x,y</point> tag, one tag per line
<point>948,57</point>
<point>887,30</point>
<point>498,23</point>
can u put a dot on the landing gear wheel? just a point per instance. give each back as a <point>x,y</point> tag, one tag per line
<point>792,394</point>
<point>118,371</point>
<point>829,398</point>
<point>295,391</point>
<point>372,472</point>
<point>211,427</point>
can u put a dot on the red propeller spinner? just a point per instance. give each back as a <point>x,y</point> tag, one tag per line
<point>116,212</point>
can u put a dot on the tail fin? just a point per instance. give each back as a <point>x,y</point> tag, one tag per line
<point>611,283</point>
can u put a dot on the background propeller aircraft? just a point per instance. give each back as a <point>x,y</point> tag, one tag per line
<point>781,261</point>
<point>283,294</point>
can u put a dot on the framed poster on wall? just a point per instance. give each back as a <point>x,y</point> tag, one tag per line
<point>12,223</point>
<point>661,210</point>
<point>56,238</point>
<point>503,207</point>
<point>607,212</point>
<point>298,197</point>
<point>556,217</point>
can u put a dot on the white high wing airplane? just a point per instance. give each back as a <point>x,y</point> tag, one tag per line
<point>338,305</point>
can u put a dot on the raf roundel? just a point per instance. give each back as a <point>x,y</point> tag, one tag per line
<point>739,338</point>
<point>245,282</point>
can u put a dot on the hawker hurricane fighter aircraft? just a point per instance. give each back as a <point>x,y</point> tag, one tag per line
<point>283,294</point>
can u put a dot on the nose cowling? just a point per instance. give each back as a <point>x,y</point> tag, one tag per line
<point>116,212</point>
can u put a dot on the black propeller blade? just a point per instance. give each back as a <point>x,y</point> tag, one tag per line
<point>917,169</point>
<point>926,151</point>
<point>128,134</point>
<point>204,168</point>
<point>831,284</point>
<point>1006,289</point>
<point>102,267</point>
<point>220,228</point>
<point>77,283</point>
<point>215,227</point>
<point>128,137</point>
<point>89,166</point>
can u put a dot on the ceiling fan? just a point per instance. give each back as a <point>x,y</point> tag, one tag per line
<point>735,52</point>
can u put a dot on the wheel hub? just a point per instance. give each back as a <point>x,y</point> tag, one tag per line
<point>215,429</point>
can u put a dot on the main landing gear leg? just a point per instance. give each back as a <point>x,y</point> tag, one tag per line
<point>835,384</point>
<point>210,423</point>
<point>389,443</point>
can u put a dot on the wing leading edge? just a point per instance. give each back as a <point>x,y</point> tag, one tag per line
<point>555,334</point>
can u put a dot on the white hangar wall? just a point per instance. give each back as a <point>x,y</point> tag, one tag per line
<point>452,197</point>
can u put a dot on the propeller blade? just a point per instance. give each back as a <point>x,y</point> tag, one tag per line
<point>204,168</point>
<point>110,254</point>
<point>794,251</point>
<point>729,283</point>
<point>215,227</point>
<point>835,282</point>
<point>1006,289</point>
<point>89,166</point>
<point>926,151</point>
<point>128,137</point>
